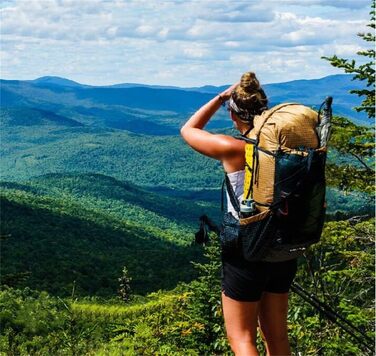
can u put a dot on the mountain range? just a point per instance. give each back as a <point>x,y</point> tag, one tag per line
<point>156,110</point>
<point>55,125</point>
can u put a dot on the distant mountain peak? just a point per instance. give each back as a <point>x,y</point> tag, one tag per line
<point>55,80</point>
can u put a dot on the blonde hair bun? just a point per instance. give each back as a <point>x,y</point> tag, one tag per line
<point>249,97</point>
<point>249,83</point>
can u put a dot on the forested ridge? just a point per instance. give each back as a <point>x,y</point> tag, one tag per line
<point>61,238</point>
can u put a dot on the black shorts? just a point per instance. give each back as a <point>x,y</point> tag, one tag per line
<point>246,281</point>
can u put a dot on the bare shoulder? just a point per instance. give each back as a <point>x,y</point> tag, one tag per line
<point>217,146</point>
<point>232,143</point>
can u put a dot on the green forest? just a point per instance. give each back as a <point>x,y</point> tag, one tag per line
<point>98,252</point>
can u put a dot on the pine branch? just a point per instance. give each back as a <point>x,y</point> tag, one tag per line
<point>369,169</point>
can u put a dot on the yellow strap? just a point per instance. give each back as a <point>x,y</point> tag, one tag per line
<point>248,169</point>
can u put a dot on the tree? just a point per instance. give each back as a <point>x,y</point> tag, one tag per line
<point>349,140</point>
<point>355,145</point>
<point>339,271</point>
<point>124,285</point>
<point>363,72</point>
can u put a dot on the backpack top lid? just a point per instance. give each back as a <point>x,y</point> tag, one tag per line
<point>287,125</point>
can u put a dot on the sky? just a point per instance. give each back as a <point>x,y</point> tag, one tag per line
<point>182,43</point>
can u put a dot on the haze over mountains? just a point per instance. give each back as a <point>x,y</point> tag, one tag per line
<point>128,131</point>
<point>154,110</point>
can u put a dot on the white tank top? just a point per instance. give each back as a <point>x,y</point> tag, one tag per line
<point>237,183</point>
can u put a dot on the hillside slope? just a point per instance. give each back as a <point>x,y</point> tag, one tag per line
<point>84,239</point>
<point>30,151</point>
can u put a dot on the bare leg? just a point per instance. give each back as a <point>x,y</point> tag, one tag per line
<point>273,323</point>
<point>241,325</point>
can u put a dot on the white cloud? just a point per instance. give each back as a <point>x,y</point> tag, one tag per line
<point>219,11</point>
<point>232,44</point>
<point>347,4</point>
<point>345,49</point>
<point>195,51</point>
<point>176,42</point>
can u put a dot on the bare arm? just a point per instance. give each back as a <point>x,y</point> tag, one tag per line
<point>216,146</point>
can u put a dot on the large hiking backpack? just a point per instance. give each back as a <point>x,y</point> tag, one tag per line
<point>285,177</point>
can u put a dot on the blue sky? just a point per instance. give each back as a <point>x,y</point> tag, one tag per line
<point>183,43</point>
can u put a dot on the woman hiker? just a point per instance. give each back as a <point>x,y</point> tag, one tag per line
<point>253,293</point>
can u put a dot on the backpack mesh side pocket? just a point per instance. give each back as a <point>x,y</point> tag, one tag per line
<point>229,233</point>
<point>257,234</point>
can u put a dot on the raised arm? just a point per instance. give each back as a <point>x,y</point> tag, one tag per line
<point>216,146</point>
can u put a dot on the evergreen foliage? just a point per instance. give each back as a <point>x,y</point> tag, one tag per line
<point>205,303</point>
<point>188,320</point>
<point>340,272</point>
<point>357,143</point>
<point>363,72</point>
<point>34,323</point>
